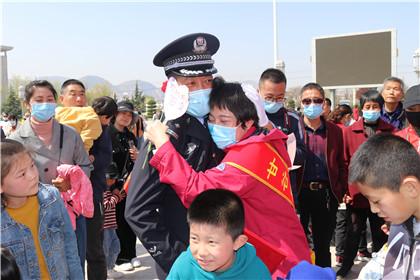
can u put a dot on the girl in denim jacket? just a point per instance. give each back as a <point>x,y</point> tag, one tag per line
<point>35,225</point>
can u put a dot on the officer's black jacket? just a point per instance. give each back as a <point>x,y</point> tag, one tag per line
<point>153,209</point>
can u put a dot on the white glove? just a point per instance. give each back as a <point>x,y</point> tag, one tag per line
<point>253,95</point>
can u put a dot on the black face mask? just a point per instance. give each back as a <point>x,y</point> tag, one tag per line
<point>413,118</point>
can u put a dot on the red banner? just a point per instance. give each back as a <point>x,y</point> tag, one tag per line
<point>270,168</point>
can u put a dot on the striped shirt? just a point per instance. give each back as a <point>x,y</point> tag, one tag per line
<point>110,201</point>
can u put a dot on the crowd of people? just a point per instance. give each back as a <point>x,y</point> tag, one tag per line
<point>236,187</point>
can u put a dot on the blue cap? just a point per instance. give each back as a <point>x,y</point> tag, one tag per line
<point>305,270</point>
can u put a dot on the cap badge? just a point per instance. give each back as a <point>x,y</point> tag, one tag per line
<point>200,45</point>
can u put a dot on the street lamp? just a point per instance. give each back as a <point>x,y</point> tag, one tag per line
<point>21,92</point>
<point>416,56</point>
<point>280,65</point>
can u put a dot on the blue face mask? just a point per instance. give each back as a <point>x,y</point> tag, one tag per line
<point>199,103</point>
<point>12,123</point>
<point>347,124</point>
<point>272,107</point>
<point>43,111</point>
<point>223,136</point>
<point>312,111</point>
<point>371,116</point>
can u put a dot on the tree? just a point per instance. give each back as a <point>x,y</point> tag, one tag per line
<point>12,105</point>
<point>291,104</point>
<point>138,99</point>
<point>151,108</point>
<point>98,91</point>
<point>17,81</point>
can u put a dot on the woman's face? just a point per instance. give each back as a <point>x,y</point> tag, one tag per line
<point>123,118</point>
<point>224,117</point>
<point>371,106</point>
<point>40,95</point>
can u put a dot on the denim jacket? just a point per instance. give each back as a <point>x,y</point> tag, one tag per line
<point>56,238</point>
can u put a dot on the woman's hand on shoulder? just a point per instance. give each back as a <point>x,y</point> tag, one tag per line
<point>156,133</point>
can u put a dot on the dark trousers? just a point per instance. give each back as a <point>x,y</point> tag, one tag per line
<point>321,207</point>
<point>125,235</point>
<point>95,257</point>
<point>356,222</point>
<point>340,235</point>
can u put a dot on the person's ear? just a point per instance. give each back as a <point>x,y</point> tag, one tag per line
<point>61,98</point>
<point>249,124</point>
<point>240,241</point>
<point>411,186</point>
<point>27,105</point>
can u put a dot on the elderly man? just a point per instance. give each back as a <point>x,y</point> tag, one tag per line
<point>392,110</point>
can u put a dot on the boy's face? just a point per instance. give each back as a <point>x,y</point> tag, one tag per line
<point>395,207</point>
<point>212,246</point>
<point>110,182</point>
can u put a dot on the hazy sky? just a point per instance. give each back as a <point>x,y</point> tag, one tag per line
<point>118,40</point>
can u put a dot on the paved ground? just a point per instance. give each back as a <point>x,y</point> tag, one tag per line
<point>147,269</point>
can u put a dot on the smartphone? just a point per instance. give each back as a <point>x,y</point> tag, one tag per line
<point>131,144</point>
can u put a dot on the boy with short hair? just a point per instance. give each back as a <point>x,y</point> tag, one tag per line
<point>386,170</point>
<point>218,247</point>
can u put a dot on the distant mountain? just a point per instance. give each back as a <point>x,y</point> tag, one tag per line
<point>90,81</point>
<point>129,86</point>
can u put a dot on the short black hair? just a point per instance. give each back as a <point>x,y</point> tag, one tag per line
<point>218,207</point>
<point>273,75</point>
<point>371,95</point>
<point>231,96</point>
<point>9,268</point>
<point>30,88</point>
<point>105,106</point>
<point>328,101</point>
<point>313,86</point>
<point>383,160</point>
<point>12,117</point>
<point>71,82</point>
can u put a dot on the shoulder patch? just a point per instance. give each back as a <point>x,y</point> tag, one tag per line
<point>221,166</point>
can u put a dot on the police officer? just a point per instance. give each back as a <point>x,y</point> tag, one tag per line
<point>153,209</point>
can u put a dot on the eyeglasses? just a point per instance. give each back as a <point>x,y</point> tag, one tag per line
<point>308,101</point>
<point>275,100</point>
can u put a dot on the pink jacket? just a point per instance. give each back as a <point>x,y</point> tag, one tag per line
<point>78,199</point>
<point>267,214</point>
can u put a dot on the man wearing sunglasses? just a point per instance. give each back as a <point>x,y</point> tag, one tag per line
<point>272,89</point>
<point>322,182</point>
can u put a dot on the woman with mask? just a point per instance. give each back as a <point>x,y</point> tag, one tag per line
<point>357,206</point>
<point>11,125</point>
<point>234,127</point>
<point>341,116</point>
<point>124,155</point>
<point>54,144</point>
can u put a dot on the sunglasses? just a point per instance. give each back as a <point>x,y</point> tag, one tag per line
<point>308,101</point>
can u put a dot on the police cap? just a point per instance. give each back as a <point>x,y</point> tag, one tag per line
<point>189,56</point>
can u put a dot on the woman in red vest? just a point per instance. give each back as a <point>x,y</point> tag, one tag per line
<point>255,168</point>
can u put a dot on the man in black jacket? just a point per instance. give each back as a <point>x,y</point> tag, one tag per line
<point>153,209</point>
